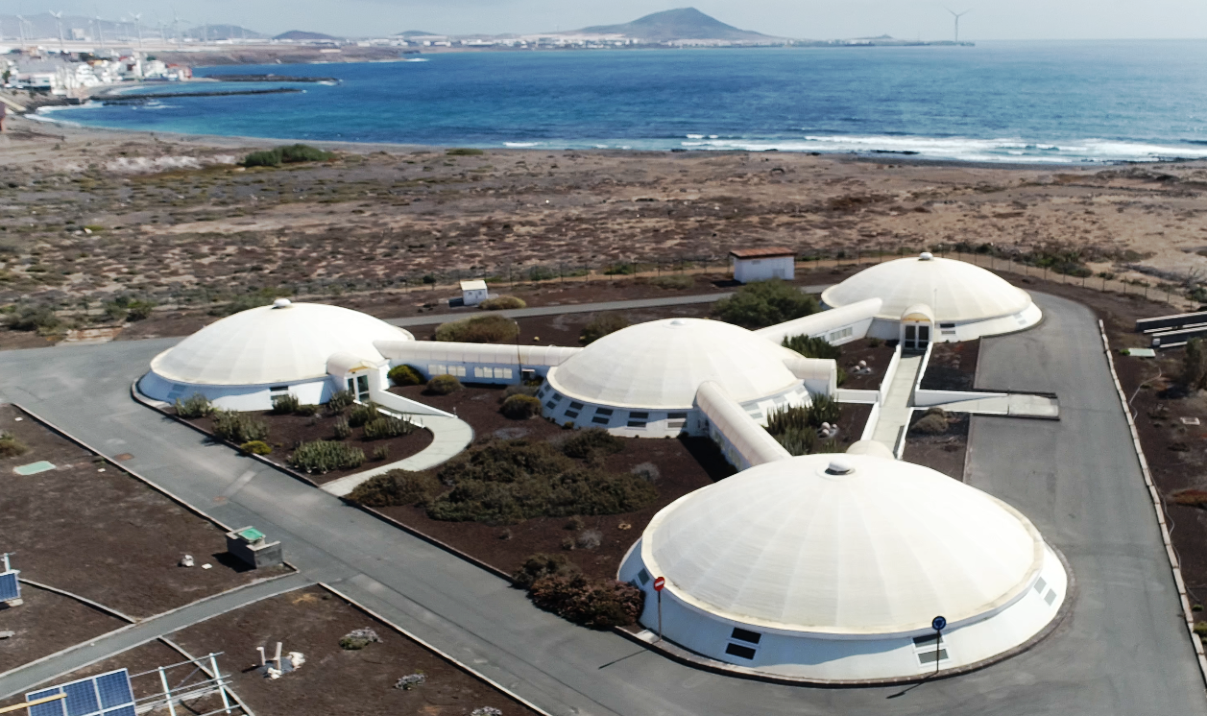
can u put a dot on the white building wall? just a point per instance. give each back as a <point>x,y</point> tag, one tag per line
<point>850,658</point>
<point>475,362</point>
<point>837,325</point>
<point>743,441</point>
<point>243,398</point>
<point>749,270</point>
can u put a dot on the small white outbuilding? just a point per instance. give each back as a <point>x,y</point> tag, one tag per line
<point>244,361</point>
<point>832,568</point>
<point>473,292</point>
<point>763,264</point>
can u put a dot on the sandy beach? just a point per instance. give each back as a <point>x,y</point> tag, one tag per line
<point>90,215</point>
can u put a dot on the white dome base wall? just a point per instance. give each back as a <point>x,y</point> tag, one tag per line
<point>826,658</point>
<point>953,332</point>
<point>243,397</point>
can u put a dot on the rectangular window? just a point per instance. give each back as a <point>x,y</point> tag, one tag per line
<point>550,404</point>
<point>639,416</point>
<point>575,405</point>
<point>740,651</point>
<point>1051,597</point>
<point>746,635</point>
<point>460,371</point>
<point>676,416</point>
<point>279,389</point>
<point>927,641</point>
<point>598,420</point>
<point>1040,584</point>
<point>503,373</point>
<point>557,397</point>
<point>571,413</point>
<point>603,411</point>
<point>643,576</point>
<point>928,657</point>
<point>636,424</point>
<point>676,423</point>
<point>479,372</point>
<point>947,325</point>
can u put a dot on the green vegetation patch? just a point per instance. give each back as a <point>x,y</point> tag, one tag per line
<point>291,154</point>
<point>479,329</point>
<point>765,303</point>
<point>796,427</point>
<point>557,585</point>
<point>600,326</point>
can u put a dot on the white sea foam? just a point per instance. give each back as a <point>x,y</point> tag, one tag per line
<point>521,145</point>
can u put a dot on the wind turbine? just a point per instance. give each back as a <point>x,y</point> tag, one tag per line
<point>21,29</point>
<point>58,17</point>
<point>100,30</point>
<point>957,16</point>
<point>138,26</point>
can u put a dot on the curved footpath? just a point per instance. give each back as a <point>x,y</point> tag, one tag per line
<point>1124,650</point>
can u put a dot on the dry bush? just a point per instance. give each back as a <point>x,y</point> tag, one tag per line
<point>502,303</point>
<point>479,329</point>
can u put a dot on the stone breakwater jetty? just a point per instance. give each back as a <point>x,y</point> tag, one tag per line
<point>269,78</point>
<point>134,99</point>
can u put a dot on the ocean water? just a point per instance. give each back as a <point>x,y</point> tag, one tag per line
<point>1052,102</point>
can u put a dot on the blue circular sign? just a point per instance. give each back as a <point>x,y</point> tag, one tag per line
<point>938,623</point>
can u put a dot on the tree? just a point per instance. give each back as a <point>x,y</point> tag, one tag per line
<point>1194,365</point>
<point>766,303</point>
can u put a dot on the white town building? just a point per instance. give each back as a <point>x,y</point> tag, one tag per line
<point>751,265</point>
<point>926,299</point>
<point>831,568</point>
<point>473,292</point>
<point>243,361</point>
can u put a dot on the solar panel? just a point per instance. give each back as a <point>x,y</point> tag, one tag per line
<point>10,588</point>
<point>105,695</point>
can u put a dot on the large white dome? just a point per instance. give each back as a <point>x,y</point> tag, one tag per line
<point>282,343</point>
<point>661,364</point>
<point>956,291</point>
<point>882,550</point>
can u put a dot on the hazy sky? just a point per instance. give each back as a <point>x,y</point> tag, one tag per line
<point>815,19</point>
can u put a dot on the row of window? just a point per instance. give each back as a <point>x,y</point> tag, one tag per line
<point>441,369</point>
<point>841,333</point>
<point>488,372</point>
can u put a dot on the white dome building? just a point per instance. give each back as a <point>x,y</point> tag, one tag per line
<point>831,568</point>
<point>643,380</point>
<point>244,361</point>
<point>928,299</point>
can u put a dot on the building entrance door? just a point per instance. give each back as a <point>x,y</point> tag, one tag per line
<point>358,386</point>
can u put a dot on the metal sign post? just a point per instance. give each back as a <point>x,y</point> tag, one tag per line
<point>938,624</point>
<point>659,583</point>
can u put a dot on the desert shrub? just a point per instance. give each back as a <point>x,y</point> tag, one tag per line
<point>11,445</point>
<point>34,318</point>
<point>599,605</point>
<point>291,154</point>
<point>675,281</point>
<point>387,426</point>
<point>589,539</point>
<point>464,152</point>
<point>139,310</point>
<point>592,442</point>
<point>1200,628</point>
<point>443,385</point>
<point>1194,365</point>
<point>381,453</point>
<point>287,404</point>
<point>823,409</point>
<point>362,414</point>
<point>507,481</point>
<point>539,566</point>
<point>931,424</point>
<point>647,471</point>
<point>765,303</point>
<point>501,303</point>
<point>520,389</point>
<point>239,428</point>
<point>798,441</point>
<point>340,400</point>
<point>256,447</point>
<point>342,429</point>
<point>813,347</point>
<point>194,406</point>
<point>358,639</point>
<point>602,325</point>
<point>521,407</point>
<point>321,456</point>
<point>396,488</point>
<point>411,682</point>
<point>307,410</point>
<point>1190,497</point>
<point>405,375</point>
<point>875,342</point>
<point>479,329</point>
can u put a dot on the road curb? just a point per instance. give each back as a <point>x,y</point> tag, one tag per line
<point>83,600</point>
<point>1158,508</point>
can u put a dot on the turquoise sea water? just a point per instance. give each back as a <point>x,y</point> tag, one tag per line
<point>1069,102</point>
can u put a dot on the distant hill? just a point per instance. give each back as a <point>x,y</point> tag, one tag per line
<point>223,32</point>
<point>686,23</point>
<point>303,35</point>
<point>418,33</point>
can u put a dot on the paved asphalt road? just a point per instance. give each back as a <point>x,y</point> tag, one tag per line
<point>432,319</point>
<point>1122,652</point>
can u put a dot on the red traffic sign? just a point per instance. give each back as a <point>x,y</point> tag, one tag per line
<point>659,583</point>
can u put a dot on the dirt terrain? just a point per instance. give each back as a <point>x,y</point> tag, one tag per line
<point>91,216</point>
<point>334,680</point>
<point>46,623</point>
<point>89,528</point>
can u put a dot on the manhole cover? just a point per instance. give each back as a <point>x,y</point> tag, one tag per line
<point>1190,421</point>
<point>124,456</point>
<point>34,468</point>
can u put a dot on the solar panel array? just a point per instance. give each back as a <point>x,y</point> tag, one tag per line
<point>105,695</point>
<point>10,588</point>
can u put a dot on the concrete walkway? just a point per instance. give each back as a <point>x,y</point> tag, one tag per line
<point>895,411</point>
<point>1013,405</point>
<point>450,437</point>
<point>24,678</point>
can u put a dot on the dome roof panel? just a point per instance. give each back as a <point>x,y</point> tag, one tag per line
<point>882,549</point>
<point>281,343</point>
<point>956,291</point>
<point>661,364</point>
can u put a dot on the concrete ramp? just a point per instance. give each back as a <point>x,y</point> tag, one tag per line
<point>1014,405</point>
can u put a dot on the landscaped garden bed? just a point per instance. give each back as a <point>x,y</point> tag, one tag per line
<point>345,427</point>
<point>952,366</point>
<point>938,440</point>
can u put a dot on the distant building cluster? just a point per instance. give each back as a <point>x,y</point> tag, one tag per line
<point>67,73</point>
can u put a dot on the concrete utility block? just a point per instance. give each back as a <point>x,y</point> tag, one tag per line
<point>253,548</point>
